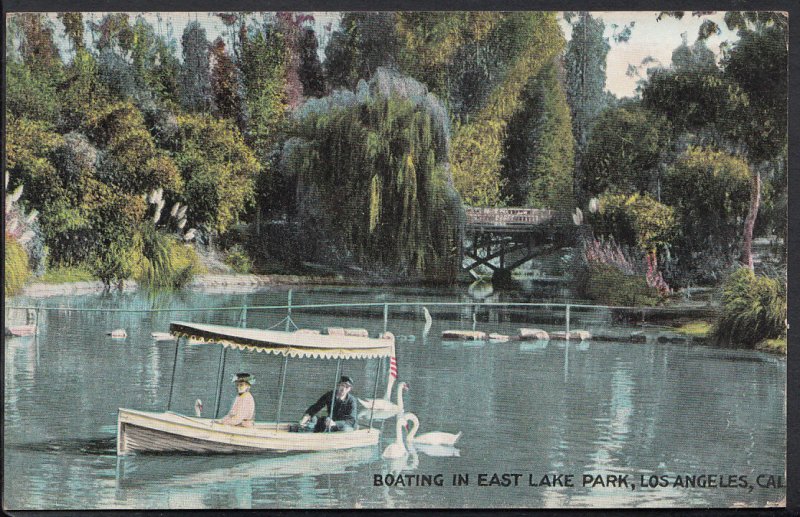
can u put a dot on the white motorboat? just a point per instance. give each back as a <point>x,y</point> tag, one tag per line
<point>145,431</point>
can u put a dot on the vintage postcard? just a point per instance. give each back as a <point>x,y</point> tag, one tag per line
<point>396,259</point>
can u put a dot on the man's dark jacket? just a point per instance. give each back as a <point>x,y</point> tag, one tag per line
<point>345,412</point>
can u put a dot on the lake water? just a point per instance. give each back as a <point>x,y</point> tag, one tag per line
<point>530,409</point>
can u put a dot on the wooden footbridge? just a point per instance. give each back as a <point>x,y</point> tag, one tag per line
<point>503,239</point>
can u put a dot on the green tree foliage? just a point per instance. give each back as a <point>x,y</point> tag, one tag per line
<point>263,67</point>
<point>225,82</point>
<point>624,151</point>
<point>82,92</point>
<point>585,64</point>
<point>133,163</point>
<point>366,41</point>
<point>155,63</point>
<point>37,45</point>
<point>33,68</point>
<point>290,26</point>
<point>73,28</point>
<point>385,148</point>
<point>310,72</point>
<point>539,155</point>
<point>29,145</point>
<point>16,270</point>
<point>753,309</point>
<point>695,95</point>
<point>218,170</point>
<point>195,75</point>
<point>637,220</point>
<point>531,41</point>
<point>30,94</point>
<point>478,63</point>
<point>757,65</point>
<point>710,191</point>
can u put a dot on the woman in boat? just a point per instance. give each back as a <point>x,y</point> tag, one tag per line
<point>345,409</point>
<point>243,411</point>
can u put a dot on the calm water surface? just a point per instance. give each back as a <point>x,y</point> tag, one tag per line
<point>532,409</point>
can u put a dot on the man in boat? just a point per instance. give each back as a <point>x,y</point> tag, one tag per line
<point>243,411</point>
<point>343,417</point>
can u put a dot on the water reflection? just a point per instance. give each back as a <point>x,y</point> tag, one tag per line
<point>529,407</point>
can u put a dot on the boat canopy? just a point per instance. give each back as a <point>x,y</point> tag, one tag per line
<point>293,344</point>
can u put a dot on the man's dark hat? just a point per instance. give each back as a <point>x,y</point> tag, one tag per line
<point>346,380</point>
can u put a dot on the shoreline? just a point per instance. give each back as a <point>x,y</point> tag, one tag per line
<point>208,282</point>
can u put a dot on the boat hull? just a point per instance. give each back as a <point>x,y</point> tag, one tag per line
<point>142,431</point>
<point>20,330</point>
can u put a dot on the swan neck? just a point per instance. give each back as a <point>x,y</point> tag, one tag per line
<point>389,386</point>
<point>400,397</point>
<point>399,428</point>
<point>414,427</point>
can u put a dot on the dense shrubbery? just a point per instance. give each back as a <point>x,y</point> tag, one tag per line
<point>610,275</point>
<point>16,266</point>
<point>637,220</point>
<point>607,285</point>
<point>710,192</point>
<point>753,310</point>
<point>236,257</point>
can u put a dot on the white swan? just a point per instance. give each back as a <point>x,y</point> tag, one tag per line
<point>432,438</point>
<point>397,449</point>
<point>383,403</point>
<point>390,410</point>
<point>428,321</point>
<point>198,408</point>
<point>440,451</point>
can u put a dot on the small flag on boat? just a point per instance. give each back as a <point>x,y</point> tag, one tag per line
<point>393,367</point>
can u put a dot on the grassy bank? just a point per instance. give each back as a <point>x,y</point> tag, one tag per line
<point>66,275</point>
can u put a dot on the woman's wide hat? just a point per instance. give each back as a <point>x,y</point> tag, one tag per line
<point>244,377</point>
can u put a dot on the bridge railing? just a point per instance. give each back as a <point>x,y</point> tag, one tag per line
<point>508,216</point>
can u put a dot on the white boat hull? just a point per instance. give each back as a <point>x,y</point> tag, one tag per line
<point>143,431</point>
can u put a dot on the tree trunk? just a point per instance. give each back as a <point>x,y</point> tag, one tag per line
<point>750,221</point>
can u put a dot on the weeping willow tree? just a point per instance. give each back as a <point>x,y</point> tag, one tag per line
<point>373,183</point>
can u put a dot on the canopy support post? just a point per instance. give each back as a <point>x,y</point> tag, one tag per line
<point>243,317</point>
<point>172,378</point>
<point>385,317</point>
<point>220,371</point>
<point>333,393</point>
<point>567,317</point>
<point>283,383</point>
<point>375,391</point>
<point>289,311</point>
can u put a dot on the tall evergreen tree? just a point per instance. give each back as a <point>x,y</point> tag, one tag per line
<point>195,76</point>
<point>539,149</point>
<point>225,82</point>
<point>311,75</point>
<point>585,64</point>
